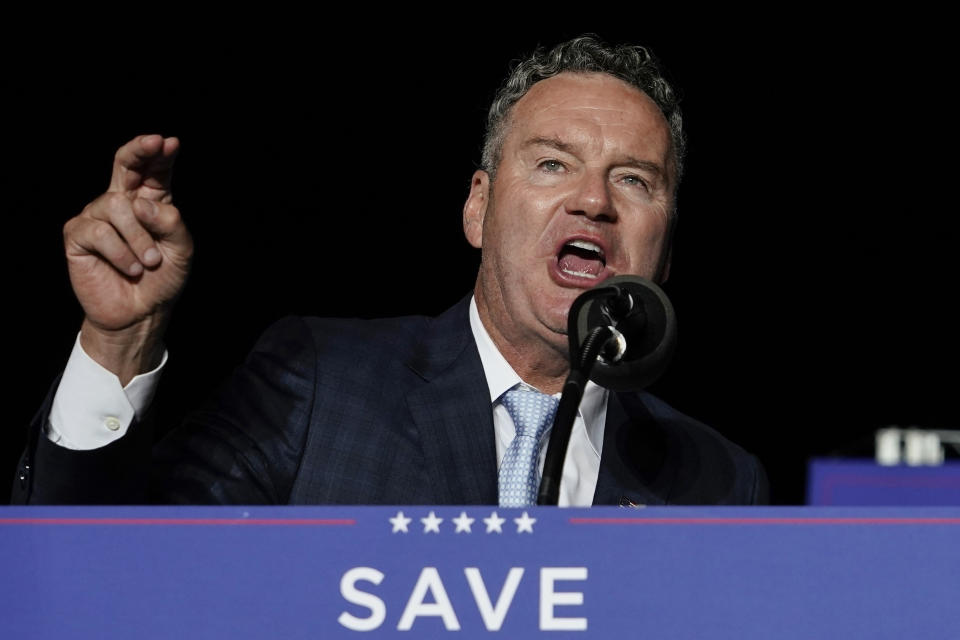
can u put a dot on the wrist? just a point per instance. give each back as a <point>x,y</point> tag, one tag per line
<point>125,352</point>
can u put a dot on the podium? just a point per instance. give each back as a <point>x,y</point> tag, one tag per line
<point>846,482</point>
<point>479,572</point>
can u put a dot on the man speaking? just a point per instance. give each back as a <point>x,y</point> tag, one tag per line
<point>581,161</point>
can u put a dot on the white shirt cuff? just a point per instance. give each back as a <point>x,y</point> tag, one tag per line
<point>90,409</point>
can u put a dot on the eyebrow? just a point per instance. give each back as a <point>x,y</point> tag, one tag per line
<point>555,143</point>
<point>566,147</point>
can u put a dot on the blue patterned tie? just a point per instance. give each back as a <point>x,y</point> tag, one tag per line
<point>532,414</point>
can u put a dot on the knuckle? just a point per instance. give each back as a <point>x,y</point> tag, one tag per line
<point>103,207</point>
<point>115,202</point>
<point>168,216</point>
<point>69,227</point>
<point>91,209</point>
<point>76,227</point>
<point>173,215</point>
<point>101,231</point>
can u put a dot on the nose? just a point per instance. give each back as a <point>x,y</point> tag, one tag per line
<point>591,197</point>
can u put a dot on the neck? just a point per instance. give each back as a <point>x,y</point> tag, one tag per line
<point>539,363</point>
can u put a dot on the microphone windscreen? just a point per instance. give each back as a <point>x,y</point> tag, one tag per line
<point>650,329</point>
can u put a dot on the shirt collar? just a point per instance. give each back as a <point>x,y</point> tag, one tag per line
<point>501,378</point>
<point>500,375</point>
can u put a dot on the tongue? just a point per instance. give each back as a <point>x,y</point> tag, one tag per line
<point>577,261</point>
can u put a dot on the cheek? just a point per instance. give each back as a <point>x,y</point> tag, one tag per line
<point>649,242</point>
<point>523,212</point>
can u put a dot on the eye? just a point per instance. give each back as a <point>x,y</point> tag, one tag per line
<point>551,166</point>
<point>637,181</point>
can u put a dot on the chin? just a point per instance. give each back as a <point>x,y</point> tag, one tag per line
<point>555,321</point>
<point>558,306</point>
<point>559,342</point>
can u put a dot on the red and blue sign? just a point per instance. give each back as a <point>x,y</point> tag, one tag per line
<point>478,572</point>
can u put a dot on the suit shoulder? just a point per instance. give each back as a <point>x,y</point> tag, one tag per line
<point>708,452</point>
<point>346,336</point>
<point>665,414</point>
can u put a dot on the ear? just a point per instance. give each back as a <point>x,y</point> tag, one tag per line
<point>475,208</point>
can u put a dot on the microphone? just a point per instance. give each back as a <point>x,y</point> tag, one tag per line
<point>644,328</point>
<point>622,334</point>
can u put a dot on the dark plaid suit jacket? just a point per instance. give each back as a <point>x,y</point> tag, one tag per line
<point>391,411</point>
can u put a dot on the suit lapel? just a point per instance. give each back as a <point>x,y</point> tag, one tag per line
<point>632,469</point>
<point>452,411</point>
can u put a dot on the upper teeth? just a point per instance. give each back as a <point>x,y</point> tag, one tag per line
<point>584,244</point>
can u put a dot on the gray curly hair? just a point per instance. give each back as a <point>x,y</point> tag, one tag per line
<point>587,54</point>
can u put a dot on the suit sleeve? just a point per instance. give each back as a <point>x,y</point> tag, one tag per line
<point>243,447</point>
<point>51,474</point>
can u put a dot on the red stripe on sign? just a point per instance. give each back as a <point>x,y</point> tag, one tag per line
<point>765,521</point>
<point>204,522</point>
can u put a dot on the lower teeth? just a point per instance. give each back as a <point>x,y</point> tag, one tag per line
<point>582,274</point>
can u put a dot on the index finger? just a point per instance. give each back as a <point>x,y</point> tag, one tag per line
<point>145,161</point>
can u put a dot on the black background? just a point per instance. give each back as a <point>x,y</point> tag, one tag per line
<point>324,167</point>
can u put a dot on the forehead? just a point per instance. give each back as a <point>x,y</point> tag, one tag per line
<point>588,104</point>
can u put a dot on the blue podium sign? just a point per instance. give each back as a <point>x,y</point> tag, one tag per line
<point>478,572</point>
<point>840,482</point>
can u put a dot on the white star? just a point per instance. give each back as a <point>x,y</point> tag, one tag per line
<point>400,522</point>
<point>431,523</point>
<point>494,523</point>
<point>524,523</point>
<point>463,522</point>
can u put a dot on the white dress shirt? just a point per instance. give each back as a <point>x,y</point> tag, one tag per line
<point>581,467</point>
<point>91,410</point>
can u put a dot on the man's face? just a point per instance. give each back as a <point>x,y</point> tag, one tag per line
<point>583,192</point>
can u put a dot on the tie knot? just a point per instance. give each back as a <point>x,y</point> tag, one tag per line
<point>532,412</point>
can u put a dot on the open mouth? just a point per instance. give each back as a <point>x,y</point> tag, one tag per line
<point>581,258</point>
